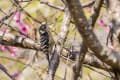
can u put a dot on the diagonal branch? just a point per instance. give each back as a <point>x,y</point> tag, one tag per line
<point>6,72</point>
<point>18,41</point>
<point>110,57</point>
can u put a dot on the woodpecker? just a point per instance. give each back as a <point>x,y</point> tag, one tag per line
<point>44,40</point>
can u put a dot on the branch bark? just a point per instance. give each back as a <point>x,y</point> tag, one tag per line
<point>80,58</point>
<point>18,41</point>
<point>6,72</point>
<point>110,57</point>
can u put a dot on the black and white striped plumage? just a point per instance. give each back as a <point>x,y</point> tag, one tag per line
<point>44,40</point>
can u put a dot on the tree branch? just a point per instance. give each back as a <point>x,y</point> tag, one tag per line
<point>18,41</point>
<point>6,72</point>
<point>110,57</point>
<point>80,58</point>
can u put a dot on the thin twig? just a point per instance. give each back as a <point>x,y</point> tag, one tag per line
<point>6,72</point>
<point>86,4</point>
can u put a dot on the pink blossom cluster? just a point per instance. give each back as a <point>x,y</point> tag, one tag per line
<point>23,27</point>
<point>14,51</point>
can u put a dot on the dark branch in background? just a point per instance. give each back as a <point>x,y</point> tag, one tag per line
<point>78,63</point>
<point>80,58</point>
<point>106,55</point>
<point>7,17</point>
<point>51,5</point>
<point>6,72</point>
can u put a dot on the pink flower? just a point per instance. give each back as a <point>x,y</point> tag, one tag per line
<point>101,23</point>
<point>24,28</point>
<point>13,54</point>
<point>4,48</point>
<point>14,49</point>
<point>17,17</point>
<point>89,10</point>
<point>16,74</point>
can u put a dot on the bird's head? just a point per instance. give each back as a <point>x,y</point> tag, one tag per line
<point>42,29</point>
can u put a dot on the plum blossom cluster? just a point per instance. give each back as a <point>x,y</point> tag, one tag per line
<point>13,52</point>
<point>23,27</point>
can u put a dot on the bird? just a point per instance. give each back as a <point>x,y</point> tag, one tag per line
<point>46,41</point>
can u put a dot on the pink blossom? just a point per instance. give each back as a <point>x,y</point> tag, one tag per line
<point>24,28</point>
<point>14,49</point>
<point>17,17</point>
<point>16,74</point>
<point>4,48</point>
<point>89,10</point>
<point>13,54</point>
<point>101,23</point>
